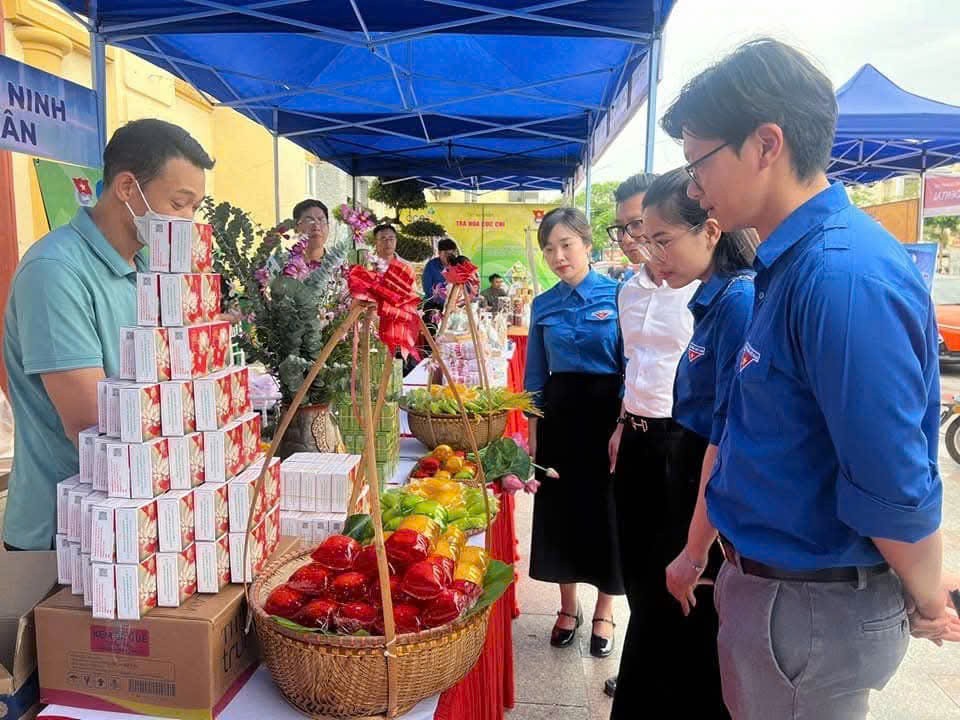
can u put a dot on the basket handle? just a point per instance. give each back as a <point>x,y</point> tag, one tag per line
<point>357,490</point>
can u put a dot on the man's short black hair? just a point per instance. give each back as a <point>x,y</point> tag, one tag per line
<point>633,185</point>
<point>446,244</point>
<point>301,207</point>
<point>495,276</point>
<point>143,147</point>
<point>383,226</point>
<point>763,81</point>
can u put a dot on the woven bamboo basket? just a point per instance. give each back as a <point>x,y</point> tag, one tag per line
<point>346,676</point>
<point>349,676</point>
<point>433,430</point>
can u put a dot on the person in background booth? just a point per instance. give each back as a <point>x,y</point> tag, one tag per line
<point>575,372</point>
<point>433,271</point>
<point>312,221</point>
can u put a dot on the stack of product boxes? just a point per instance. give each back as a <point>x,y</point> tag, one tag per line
<point>387,433</point>
<point>314,494</point>
<point>166,477</point>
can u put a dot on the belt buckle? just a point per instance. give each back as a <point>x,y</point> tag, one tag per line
<point>642,424</point>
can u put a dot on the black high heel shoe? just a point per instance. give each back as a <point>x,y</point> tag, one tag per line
<point>601,647</point>
<point>561,637</point>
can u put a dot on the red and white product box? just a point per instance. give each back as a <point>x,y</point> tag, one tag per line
<point>213,564</point>
<point>251,424</point>
<point>176,576</point>
<point>118,470</point>
<point>104,591</point>
<point>222,450</point>
<point>175,520</point>
<point>101,474</point>
<point>186,461</point>
<point>341,481</point>
<point>74,514</point>
<point>139,412</point>
<point>152,348</point>
<point>150,469</point>
<point>148,299</point>
<point>102,395</point>
<point>199,350</point>
<point>211,511</point>
<point>85,440</point>
<point>255,557</point>
<point>158,240</point>
<point>136,589</point>
<point>210,296</point>
<point>86,519</point>
<point>76,570</point>
<point>240,391</point>
<point>128,353</point>
<point>87,580</point>
<point>113,409</point>
<point>271,482</point>
<point>177,414</point>
<point>289,487</point>
<point>192,252</point>
<point>124,531</point>
<point>64,560</point>
<point>64,487</point>
<point>213,399</point>
<point>241,492</point>
<point>180,301</point>
<point>272,521</point>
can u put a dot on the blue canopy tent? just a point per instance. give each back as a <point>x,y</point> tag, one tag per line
<point>884,131</point>
<point>480,95</point>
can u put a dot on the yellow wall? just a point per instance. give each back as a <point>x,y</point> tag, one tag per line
<point>38,33</point>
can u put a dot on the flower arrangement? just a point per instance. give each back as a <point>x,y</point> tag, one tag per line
<point>359,221</point>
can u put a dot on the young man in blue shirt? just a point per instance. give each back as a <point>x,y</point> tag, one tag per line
<point>826,492</point>
<point>433,270</point>
<point>71,293</point>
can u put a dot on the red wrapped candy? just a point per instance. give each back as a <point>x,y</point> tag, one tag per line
<point>366,562</point>
<point>406,547</point>
<point>446,564</point>
<point>349,586</point>
<point>406,619</point>
<point>471,590</point>
<point>337,552</point>
<point>424,580</point>
<point>318,614</point>
<point>312,580</point>
<point>396,592</point>
<point>445,608</point>
<point>285,602</point>
<point>354,616</point>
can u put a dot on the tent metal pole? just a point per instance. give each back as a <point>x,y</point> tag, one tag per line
<point>356,202</point>
<point>923,185</point>
<point>653,73</point>
<point>98,62</point>
<point>276,168</point>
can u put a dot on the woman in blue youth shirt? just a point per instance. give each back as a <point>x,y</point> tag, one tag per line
<point>689,246</point>
<point>575,371</point>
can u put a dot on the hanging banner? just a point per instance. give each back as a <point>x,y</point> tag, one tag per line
<point>493,235</point>
<point>924,256</point>
<point>941,195</point>
<point>65,189</point>
<point>46,116</point>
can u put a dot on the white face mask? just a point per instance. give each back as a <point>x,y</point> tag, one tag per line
<point>142,222</point>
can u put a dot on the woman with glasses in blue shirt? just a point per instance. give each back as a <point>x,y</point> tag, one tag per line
<point>575,371</point>
<point>688,245</point>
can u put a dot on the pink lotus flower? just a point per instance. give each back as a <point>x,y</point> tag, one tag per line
<point>521,440</point>
<point>531,487</point>
<point>511,483</point>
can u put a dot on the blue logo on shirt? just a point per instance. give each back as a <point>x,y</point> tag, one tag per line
<point>695,352</point>
<point>749,355</point>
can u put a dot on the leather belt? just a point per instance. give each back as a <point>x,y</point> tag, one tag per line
<point>645,424</point>
<point>826,575</point>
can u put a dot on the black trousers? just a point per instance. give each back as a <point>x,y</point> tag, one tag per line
<point>666,656</point>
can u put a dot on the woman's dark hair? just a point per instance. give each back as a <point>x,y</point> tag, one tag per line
<point>763,81</point>
<point>571,217</point>
<point>446,244</point>
<point>459,260</point>
<point>381,228</point>
<point>735,250</point>
<point>301,207</point>
<point>143,147</point>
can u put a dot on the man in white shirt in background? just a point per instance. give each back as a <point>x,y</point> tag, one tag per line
<point>656,326</point>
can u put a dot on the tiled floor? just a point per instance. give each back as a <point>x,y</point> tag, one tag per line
<point>568,684</point>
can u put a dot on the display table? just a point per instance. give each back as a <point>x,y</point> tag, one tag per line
<point>517,422</point>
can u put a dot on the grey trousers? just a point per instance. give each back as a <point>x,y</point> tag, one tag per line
<point>807,651</point>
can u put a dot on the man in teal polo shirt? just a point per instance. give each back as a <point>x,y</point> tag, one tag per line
<point>71,293</point>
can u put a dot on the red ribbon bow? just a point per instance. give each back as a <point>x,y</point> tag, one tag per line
<point>461,274</point>
<point>397,304</point>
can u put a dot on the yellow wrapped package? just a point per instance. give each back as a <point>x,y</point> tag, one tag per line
<point>428,527</point>
<point>469,572</point>
<point>475,556</point>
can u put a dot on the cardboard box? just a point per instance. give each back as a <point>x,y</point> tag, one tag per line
<point>175,521</point>
<point>186,461</point>
<point>64,561</point>
<point>74,514</point>
<point>104,591</point>
<point>148,299</point>
<point>213,398</point>
<point>76,572</point>
<point>136,589</point>
<point>192,253</point>
<point>128,354</point>
<point>176,577</point>
<point>213,564</point>
<point>152,347</point>
<point>199,350</point>
<point>176,662</point>
<point>64,487</point>
<point>177,412</point>
<point>124,531</point>
<point>36,577</point>
<point>211,511</point>
<point>85,444</point>
<point>139,412</point>
<point>86,518</point>
<point>101,469</point>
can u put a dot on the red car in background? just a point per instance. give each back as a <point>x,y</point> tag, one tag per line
<point>946,298</point>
